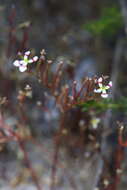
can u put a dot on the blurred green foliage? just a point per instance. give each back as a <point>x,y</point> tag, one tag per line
<point>109,23</point>
<point>104,104</point>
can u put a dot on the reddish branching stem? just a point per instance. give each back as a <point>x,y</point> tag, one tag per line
<point>120,137</point>
<point>66,96</point>
<point>56,153</point>
<point>12,135</point>
<point>25,38</point>
<point>28,164</point>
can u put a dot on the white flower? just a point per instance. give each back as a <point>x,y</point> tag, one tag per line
<point>103,88</point>
<point>22,64</point>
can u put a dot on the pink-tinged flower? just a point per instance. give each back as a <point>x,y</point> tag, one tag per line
<point>22,64</point>
<point>103,88</point>
<point>35,58</point>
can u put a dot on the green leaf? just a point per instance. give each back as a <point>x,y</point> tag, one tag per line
<point>103,105</point>
<point>109,23</point>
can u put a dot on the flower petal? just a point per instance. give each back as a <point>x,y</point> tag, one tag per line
<point>16,63</point>
<point>23,63</point>
<point>107,87</point>
<point>103,91</point>
<point>30,61</point>
<point>22,68</point>
<point>100,80</point>
<point>104,95</point>
<point>100,85</point>
<point>25,57</point>
<point>110,83</point>
<point>35,58</point>
<point>27,53</point>
<point>97,90</point>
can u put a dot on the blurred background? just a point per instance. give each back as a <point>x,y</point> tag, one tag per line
<point>89,36</point>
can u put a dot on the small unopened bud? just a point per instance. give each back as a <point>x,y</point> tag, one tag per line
<point>74,82</point>
<point>49,61</point>
<point>21,92</point>
<point>39,80</point>
<point>19,53</point>
<point>42,58</point>
<point>27,87</point>
<point>39,103</point>
<point>71,98</point>
<point>43,52</point>
<point>56,93</point>
<point>97,145</point>
<point>60,73</point>
<point>66,86</point>
<point>121,128</point>
<point>61,62</point>
<point>106,182</point>
<point>64,131</point>
<point>81,123</point>
<point>119,171</point>
<point>96,188</point>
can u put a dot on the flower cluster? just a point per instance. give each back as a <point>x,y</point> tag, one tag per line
<point>25,60</point>
<point>103,88</point>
